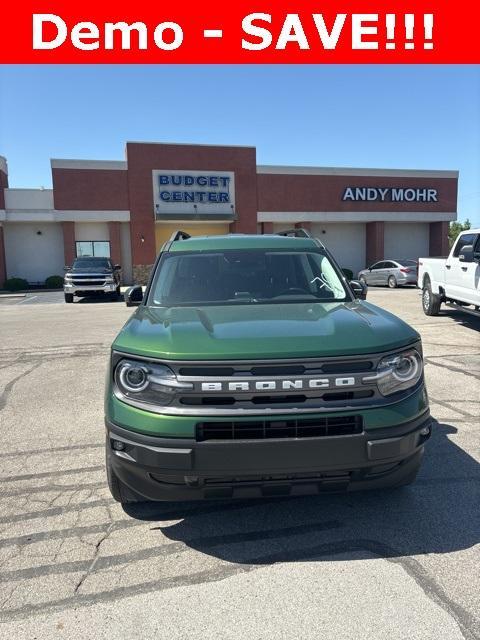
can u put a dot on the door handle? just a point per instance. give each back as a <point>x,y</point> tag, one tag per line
<point>448,266</point>
<point>464,268</point>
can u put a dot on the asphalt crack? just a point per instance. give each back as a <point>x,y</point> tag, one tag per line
<point>451,368</point>
<point>467,624</point>
<point>91,568</point>
<point>10,385</point>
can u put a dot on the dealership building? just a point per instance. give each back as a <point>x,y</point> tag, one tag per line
<point>127,209</point>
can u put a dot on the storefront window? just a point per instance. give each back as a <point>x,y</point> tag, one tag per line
<point>93,248</point>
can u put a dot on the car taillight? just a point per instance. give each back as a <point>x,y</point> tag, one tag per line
<point>405,270</point>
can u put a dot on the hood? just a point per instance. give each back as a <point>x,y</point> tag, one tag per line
<point>263,331</point>
<point>89,270</point>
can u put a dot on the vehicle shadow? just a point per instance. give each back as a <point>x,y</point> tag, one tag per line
<point>438,514</point>
<point>462,318</point>
<point>100,298</point>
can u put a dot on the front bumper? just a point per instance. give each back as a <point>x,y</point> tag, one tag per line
<point>82,290</point>
<point>159,468</point>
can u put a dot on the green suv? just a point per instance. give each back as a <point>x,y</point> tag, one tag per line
<point>253,368</point>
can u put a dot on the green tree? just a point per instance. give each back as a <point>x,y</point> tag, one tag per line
<point>456,228</point>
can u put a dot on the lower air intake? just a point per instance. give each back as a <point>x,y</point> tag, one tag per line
<point>273,429</point>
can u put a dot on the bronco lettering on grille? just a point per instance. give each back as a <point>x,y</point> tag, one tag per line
<point>279,385</point>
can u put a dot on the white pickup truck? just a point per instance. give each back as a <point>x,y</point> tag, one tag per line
<point>454,280</point>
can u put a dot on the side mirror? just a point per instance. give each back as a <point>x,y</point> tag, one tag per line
<point>466,253</point>
<point>117,267</point>
<point>359,289</point>
<point>134,296</point>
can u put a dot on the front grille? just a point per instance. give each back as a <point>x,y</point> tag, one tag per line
<point>273,387</point>
<point>298,399</point>
<point>88,282</point>
<point>273,429</point>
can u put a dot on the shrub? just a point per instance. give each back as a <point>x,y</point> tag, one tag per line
<point>54,282</point>
<point>15,284</point>
<point>348,273</point>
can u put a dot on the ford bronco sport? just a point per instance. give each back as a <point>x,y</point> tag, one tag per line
<point>252,368</point>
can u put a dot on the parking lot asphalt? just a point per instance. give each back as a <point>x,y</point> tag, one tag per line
<point>73,564</point>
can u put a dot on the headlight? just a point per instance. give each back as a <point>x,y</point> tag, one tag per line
<point>139,381</point>
<point>399,371</point>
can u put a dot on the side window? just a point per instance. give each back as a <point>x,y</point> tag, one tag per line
<point>390,265</point>
<point>377,265</point>
<point>467,238</point>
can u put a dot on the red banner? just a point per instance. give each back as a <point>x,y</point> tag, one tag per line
<point>261,31</point>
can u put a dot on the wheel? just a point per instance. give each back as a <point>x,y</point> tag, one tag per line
<point>414,467</point>
<point>68,297</point>
<point>363,281</point>
<point>430,301</point>
<point>392,282</point>
<point>119,491</point>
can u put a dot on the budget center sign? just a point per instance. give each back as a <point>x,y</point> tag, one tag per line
<point>190,193</point>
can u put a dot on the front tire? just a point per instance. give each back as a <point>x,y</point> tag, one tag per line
<point>68,297</point>
<point>411,476</point>
<point>392,282</point>
<point>430,301</point>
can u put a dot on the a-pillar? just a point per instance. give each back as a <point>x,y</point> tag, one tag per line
<point>68,229</point>
<point>375,238</point>
<point>439,239</point>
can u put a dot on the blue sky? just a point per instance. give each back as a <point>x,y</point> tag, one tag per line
<point>419,117</point>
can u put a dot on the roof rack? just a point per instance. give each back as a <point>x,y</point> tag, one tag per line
<point>179,235</point>
<point>295,233</point>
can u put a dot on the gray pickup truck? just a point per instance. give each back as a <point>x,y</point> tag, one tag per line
<point>91,276</point>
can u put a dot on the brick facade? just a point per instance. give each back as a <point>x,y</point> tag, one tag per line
<point>90,189</point>
<point>439,239</point>
<point>266,198</point>
<point>144,158</point>
<point>115,242</point>
<point>312,193</point>
<point>3,264</point>
<point>3,185</point>
<point>68,229</point>
<point>375,238</point>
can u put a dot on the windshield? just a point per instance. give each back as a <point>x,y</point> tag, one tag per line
<point>252,276</point>
<point>91,263</point>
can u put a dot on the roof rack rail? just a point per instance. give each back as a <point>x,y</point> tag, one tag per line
<point>295,233</point>
<point>179,235</point>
